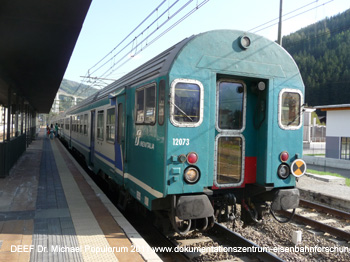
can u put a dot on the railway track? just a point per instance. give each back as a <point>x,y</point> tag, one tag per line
<point>323,219</point>
<point>218,239</point>
<point>222,244</point>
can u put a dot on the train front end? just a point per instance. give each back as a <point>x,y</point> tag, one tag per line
<point>235,129</point>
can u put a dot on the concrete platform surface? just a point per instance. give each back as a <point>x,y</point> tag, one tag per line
<point>51,210</point>
<point>327,192</point>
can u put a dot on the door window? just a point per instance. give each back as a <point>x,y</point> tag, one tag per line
<point>229,160</point>
<point>100,124</point>
<point>230,123</point>
<point>230,105</point>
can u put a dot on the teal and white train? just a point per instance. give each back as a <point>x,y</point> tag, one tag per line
<point>213,121</point>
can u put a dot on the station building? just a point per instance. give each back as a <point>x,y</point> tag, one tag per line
<point>338,130</point>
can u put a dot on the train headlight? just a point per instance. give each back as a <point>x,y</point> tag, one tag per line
<point>191,175</point>
<point>283,171</point>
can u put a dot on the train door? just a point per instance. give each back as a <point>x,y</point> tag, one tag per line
<point>120,149</point>
<point>92,137</point>
<point>229,139</point>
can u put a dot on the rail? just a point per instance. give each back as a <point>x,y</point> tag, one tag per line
<point>335,231</point>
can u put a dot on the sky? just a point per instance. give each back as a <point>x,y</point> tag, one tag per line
<point>108,22</point>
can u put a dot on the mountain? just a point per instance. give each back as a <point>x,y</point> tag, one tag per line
<point>75,88</point>
<point>322,53</point>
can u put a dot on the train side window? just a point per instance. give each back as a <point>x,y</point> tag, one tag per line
<point>110,125</point>
<point>77,120</point>
<point>161,102</point>
<point>66,123</point>
<point>85,123</point>
<point>120,135</point>
<point>140,99</point>
<point>74,124</point>
<point>146,104</point>
<point>100,124</point>
<point>81,124</point>
<point>150,105</point>
<point>290,114</point>
<point>186,103</point>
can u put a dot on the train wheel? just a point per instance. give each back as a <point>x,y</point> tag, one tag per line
<point>182,227</point>
<point>211,222</point>
<point>202,224</point>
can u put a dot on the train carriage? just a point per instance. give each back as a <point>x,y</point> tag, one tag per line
<point>213,121</point>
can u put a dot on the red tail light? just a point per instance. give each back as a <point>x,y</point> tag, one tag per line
<point>284,156</point>
<point>192,158</point>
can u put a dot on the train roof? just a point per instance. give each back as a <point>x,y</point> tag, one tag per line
<point>218,50</point>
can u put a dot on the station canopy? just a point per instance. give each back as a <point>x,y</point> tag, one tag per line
<point>37,41</point>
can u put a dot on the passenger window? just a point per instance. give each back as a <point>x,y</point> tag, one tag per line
<point>67,123</point>
<point>140,116</point>
<point>110,125</point>
<point>150,101</point>
<point>81,124</point>
<point>230,105</point>
<point>186,103</point>
<point>85,124</point>
<point>161,102</point>
<point>74,121</point>
<point>100,124</point>
<point>146,105</point>
<point>290,109</point>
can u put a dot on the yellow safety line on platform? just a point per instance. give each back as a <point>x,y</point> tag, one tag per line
<point>92,241</point>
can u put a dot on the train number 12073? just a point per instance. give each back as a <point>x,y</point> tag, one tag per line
<point>181,142</point>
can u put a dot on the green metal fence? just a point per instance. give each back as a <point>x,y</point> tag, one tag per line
<point>10,151</point>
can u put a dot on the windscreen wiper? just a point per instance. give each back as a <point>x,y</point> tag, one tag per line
<point>183,112</point>
<point>297,116</point>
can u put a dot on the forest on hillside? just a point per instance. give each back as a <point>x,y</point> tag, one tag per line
<point>75,88</point>
<point>322,53</point>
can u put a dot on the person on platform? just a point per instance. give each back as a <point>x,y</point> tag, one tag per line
<point>56,130</point>
<point>47,130</point>
<point>52,131</point>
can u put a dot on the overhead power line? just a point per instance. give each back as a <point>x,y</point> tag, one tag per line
<point>150,33</point>
<point>121,54</point>
<point>288,18</point>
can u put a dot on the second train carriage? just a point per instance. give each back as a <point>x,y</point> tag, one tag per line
<point>214,120</point>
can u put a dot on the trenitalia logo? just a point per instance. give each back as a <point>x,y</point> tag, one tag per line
<point>141,143</point>
<point>138,136</point>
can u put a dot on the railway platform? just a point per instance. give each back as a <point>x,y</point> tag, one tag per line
<point>51,210</point>
<point>327,191</point>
